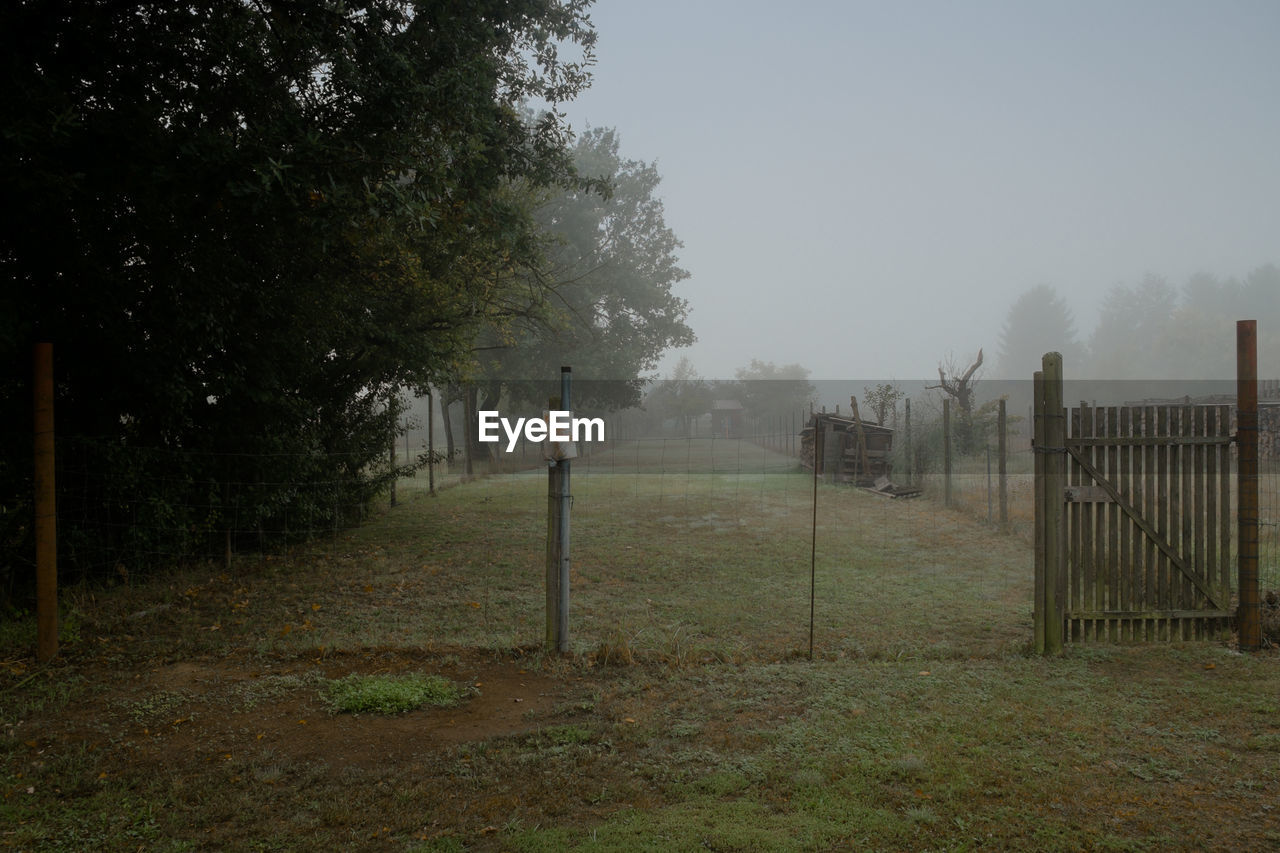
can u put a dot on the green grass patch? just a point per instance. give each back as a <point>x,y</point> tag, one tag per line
<point>390,694</point>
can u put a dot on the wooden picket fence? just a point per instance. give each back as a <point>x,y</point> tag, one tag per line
<point>1133,520</point>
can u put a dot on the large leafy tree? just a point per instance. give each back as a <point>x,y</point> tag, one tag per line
<point>246,224</point>
<point>606,305</point>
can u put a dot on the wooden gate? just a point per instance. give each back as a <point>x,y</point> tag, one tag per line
<point>1133,520</point>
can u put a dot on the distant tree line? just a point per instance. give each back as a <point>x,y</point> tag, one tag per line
<point>764,390</point>
<point>1147,330</point>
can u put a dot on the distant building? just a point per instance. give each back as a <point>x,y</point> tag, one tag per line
<point>726,419</point>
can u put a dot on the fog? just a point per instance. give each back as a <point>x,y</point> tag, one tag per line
<point>865,188</point>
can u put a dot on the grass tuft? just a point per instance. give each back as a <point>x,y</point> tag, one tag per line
<point>387,694</point>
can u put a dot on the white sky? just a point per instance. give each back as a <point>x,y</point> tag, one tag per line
<point>866,187</point>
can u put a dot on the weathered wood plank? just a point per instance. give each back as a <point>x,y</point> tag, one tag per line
<point>1112,600</point>
<point>1125,561</point>
<point>1193,528</point>
<point>1224,506</point>
<point>1161,519</point>
<point>1150,597</point>
<point>1074,542</point>
<point>1211,500</point>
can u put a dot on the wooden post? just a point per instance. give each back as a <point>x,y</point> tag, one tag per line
<point>431,448</point>
<point>863,461</point>
<point>227,534</point>
<point>906,428</point>
<point>1041,507</point>
<point>46,509</point>
<point>1249,614</point>
<point>468,431</point>
<point>989,501</point>
<point>1055,437</point>
<point>391,458</point>
<point>1002,449</point>
<point>946,452</point>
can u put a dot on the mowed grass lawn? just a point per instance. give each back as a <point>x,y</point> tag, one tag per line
<point>188,711</point>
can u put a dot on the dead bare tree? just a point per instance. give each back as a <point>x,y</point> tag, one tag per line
<point>960,387</point>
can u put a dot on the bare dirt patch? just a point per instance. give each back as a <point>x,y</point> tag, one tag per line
<point>217,709</point>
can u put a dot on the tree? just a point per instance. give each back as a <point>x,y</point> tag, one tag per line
<point>1132,322</point>
<point>959,386</point>
<point>247,226</point>
<point>609,308</point>
<point>1039,321</point>
<point>683,396</point>
<point>883,400</point>
<point>769,390</point>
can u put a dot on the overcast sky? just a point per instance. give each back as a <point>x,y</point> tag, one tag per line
<point>864,188</point>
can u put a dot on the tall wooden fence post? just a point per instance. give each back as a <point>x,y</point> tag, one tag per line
<point>906,427</point>
<point>1002,449</point>
<point>46,509</point>
<point>946,452</point>
<point>431,447</point>
<point>1053,449</point>
<point>391,459</point>
<point>1249,614</point>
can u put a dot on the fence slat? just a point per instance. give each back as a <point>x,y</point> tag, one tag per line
<point>1111,600</point>
<point>1125,561</point>
<point>1150,596</point>
<point>1224,505</point>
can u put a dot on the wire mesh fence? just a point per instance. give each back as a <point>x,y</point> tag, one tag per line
<point>683,545</point>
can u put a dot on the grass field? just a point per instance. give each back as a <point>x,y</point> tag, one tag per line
<point>194,711</point>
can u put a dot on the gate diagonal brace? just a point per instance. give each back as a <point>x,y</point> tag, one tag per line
<point>1145,526</point>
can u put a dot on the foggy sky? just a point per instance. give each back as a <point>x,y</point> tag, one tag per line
<point>865,188</point>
